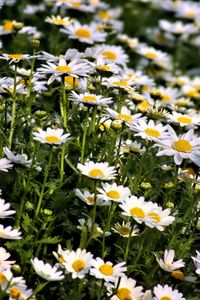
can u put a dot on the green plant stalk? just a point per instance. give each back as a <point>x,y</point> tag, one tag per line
<point>14,108</point>
<point>44,185</point>
<point>84,138</point>
<point>39,287</point>
<point>128,245</point>
<point>29,88</point>
<point>107,228</point>
<point>62,163</point>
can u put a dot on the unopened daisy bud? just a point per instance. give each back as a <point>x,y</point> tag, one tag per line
<point>35,43</point>
<point>169,185</point>
<point>47,212</point>
<point>178,274</point>
<point>41,114</point>
<point>29,205</point>
<point>156,114</point>
<point>2,108</point>
<point>116,124</point>
<point>68,87</point>
<point>146,186</point>
<point>85,108</point>
<point>16,269</point>
<point>18,25</point>
<point>137,97</point>
<point>170,205</point>
<point>156,94</point>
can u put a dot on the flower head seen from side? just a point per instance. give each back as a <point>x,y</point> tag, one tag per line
<point>16,57</point>
<point>4,209</point>
<point>90,99</point>
<point>124,115</point>
<point>196,260</point>
<point>100,171</point>
<point>125,229</point>
<point>46,271</point>
<point>9,233</point>
<point>4,262</point>
<point>168,264</point>
<point>5,164</point>
<point>88,198</point>
<point>51,136</point>
<point>113,192</point>
<point>58,20</point>
<point>167,293</point>
<point>20,159</point>
<point>78,263</point>
<point>106,270</point>
<point>181,147</point>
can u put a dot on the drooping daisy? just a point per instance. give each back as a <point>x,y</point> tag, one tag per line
<point>168,264</point>
<point>51,136</point>
<point>58,20</point>
<point>97,230</point>
<point>125,229</point>
<point>149,130</point>
<point>88,198</point>
<point>166,293</point>
<point>4,209</point>
<point>100,171</point>
<point>113,192</point>
<point>91,99</point>
<point>9,233</point>
<point>78,263</point>
<point>5,164</point>
<point>106,270</point>
<point>181,147</point>
<point>46,271</point>
<point>16,158</point>
<point>124,115</point>
<point>84,33</point>
<point>4,263</point>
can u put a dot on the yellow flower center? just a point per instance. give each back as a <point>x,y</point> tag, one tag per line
<point>89,98</point>
<point>90,199</point>
<point>15,56</point>
<point>124,117</point>
<point>104,68</point>
<point>61,260</point>
<point>78,265</point>
<point>15,293</point>
<point>70,80</point>
<point>10,90</point>
<point>83,33</point>
<point>96,173</point>
<point>104,15</point>
<point>182,146</point>
<point>121,83</point>
<point>109,55</point>
<point>113,194</point>
<point>152,132</point>
<point>186,120</point>
<point>165,97</point>
<point>2,233</point>
<point>143,106</point>
<point>178,274</point>
<point>192,93</point>
<point>106,269</point>
<point>151,55</point>
<point>63,69</point>
<point>190,14</point>
<point>9,26</point>
<point>75,4</point>
<point>52,139</point>
<point>124,230</point>
<point>124,294</point>
<point>2,278</point>
<point>165,298</point>
<point>137,212</point>
<point>59,21</point>
<point>155,216</point>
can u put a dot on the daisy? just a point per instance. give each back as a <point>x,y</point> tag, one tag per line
<point>183,119</point>
<point>78,263</point>
<point>113,192</point>
<point>5,277</point>
<point>4,209</point>
<point>106,270</point>
<point>5,164</point>
<point>111,54</point>
<point>84,33</point>
<point>100,171</point>
<point>88,198</point>
<point>101,65</point>
<point>46,271</point>
<point>131,147</point>
<point>19,292</point>
<point>91,99</point>
<point>9,233</point>
<point>125,290</point>
<point>196,260</point>
<point>150,130</point>
<point>176,27</point>
<point>125,229</point>
<point>8,27</point>
<point>181,147</point>
<point>167,264</point>
<point>61,255</point>
<point>167,293</point>
<point>16,158</point>
<point>58,20</point>
<point>4,263</point>
<point>118,82</point>
<point>16,57</point>
<point>51,136</point>
<point>74,68</point>
<point>124,115</point>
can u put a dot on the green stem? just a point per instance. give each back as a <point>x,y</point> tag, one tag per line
<point>62,164</point>
<point>38,289</point>
<point>84,137</point>
<point>29,88</point>
<point>14,107</point>
<point>107,228</point>
<point>128,245</point>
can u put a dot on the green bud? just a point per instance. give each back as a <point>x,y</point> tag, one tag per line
<point>197,187</point>
<point>35,43</point>
<point>16,269</point>
<point>47,212</point>
<point>156,94</point>
<point>18,25</point>
<point>169,185</point>
<point>170,204</point>
<point>29,206</point>
<point>146,186</point>
<point>116,124</point>
<point>41,114</point>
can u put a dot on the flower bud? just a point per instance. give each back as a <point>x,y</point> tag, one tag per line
<point>156,94</point>
<point>170,205</point>
<point>18,25</point>
<point>47,212</point>
<point>116,124</point>
<point>29,206</point>
<point>146,186</point>
<point>16,269</point>
<point>169,185</point>
<point>35,43</point>
<point>41,114</point>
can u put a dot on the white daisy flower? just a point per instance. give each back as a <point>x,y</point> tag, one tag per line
<point>58,20</point>
<point>88,198</point>
<point>168,264</point>
<point>5,164</point>
<point>46,271</point>
<point>8,27</point>
<point>177,27</point>
<point>19,292</point>
<point>103,66</point>
<point>166,292</point>
<point>91,99</point>
<point>113,192</point>
<point>118,82</point>
<point>4,209</point>
<point>125,229</point>
<point>61,255</point>
<point>106,270</point>
<point>16,158</point>
<point>130,146</point>
<point>100,171</point>
<point>183,119</point>
<point>4,263</point>
<point>181,147</point>
<point>9,233</point>
<point>78,263</point>
<point>111,54</point>
<point>51,136</point>
<point>196,260</point>
<point>124,115</point>
<point>6,277</point>
<point>85,33</point>
<point>16,57</point>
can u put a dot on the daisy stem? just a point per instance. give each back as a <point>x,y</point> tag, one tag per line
<point>84,137</point>
<point>107,228</point>
<point>39,287</point>
<point>43,185</point>
<point>119,102</point>
<point>100,291</point>
<point>29,99</point>
<point>13,113</point>
<point>128,244</point>
<point>65,106</point>
<point>62,164</point>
